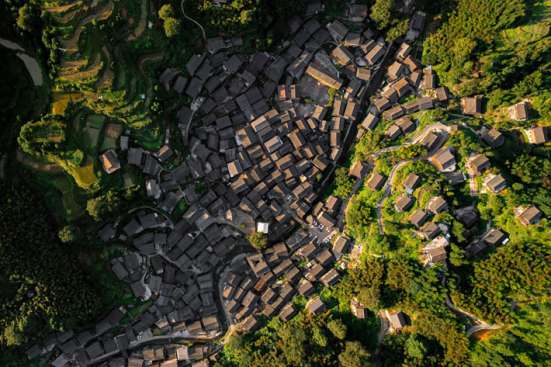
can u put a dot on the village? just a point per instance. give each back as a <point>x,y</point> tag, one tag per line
<point>266,133</point>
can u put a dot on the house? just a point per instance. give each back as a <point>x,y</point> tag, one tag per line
<point>528,215</point>
<point>416,25</point>
<point>288,312</point>
<point>437,204</point>
<point>429,230</point>
<point>357,309</point>
<point>418,218</point>
<point>330,278</point>
<point>411,182</point>
<point>435,252</point>
<point>370,121</point>
<point>397,320</point>
<point>357,13</point>
<point>393,113</point>
<point>519,111</point>
<point>110,161</point>
<point>305,288</point>
<point>358,170</point>
<point>476,164</point>
<point>403,203</point>
<point>164,153</point>
<point>429,79</point>
<point>495,237</point>
<point>455,178</point>
<point>315,306</point>
<point>405,124</point>
<point>375,54</point>
<point>341,245</point>
<point>337,30</point>
<point>442,94</point>
<point>430,141</point>
<point>492,137</point>
<point>444,160</point>
<point>376,181</point>
<point>393,132</point>
<point>403,51</point>
<point>342,56</point>
<point>537,135</point>
<point>323,77</point>
<point>363,73</point>
<point>395,70</point>
<point>495,183</point>
<point>262,227</point>
<point>471,105</point>
<point>467,215</point>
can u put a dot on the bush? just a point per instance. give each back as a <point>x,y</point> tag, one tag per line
<point>68,234</point>
<point>171,27</point>
<point>258,240</point>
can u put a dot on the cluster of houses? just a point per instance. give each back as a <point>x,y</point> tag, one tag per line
<point>264,135</point>
<point>264,284</point>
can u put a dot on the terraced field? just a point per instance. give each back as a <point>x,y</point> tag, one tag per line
<point>91,78</point>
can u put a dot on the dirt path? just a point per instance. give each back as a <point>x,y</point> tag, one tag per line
<point>140,28</point>
<point>32,65</point>
<point>36,165</point>
<point>387,192</point>
<point>33,68</point>
<point>106,79</point>
<point>204,34</point>
<point>478,324</point>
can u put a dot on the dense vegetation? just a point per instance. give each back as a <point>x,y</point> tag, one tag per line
<point>38,295</point>
<point>496,47</point>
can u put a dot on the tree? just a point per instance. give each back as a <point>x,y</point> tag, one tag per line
<point>343,183</point>
<point>337,328</point>
<point>171,27</point>
<point>166,11</point>
<point>397,30</point>
<point>415,348</point>
<point>102,205</point>
<point>354,355</point>
<point>25,17</point>
<point>319,337</point>
<point>381,13</point>
<point>258,240</point>
<point>68,234</point>
<point>457,255</point>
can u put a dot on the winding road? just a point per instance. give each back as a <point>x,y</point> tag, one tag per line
<point>388,184</point>
<point>478,324</point>
<point>204,34</point>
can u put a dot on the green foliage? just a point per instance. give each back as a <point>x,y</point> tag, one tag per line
<point>480,49</point>
<point>102,205</point>
<point>354,355</point>
<point>398,30</point>
<point>166,11</point>
<point>381,13</point>
<point>527,343</point>
<point>517,271</point>
<point>26,17</point>
<point>258,240</point>
<point>43,287</point>
<point>343,183</point>
<point>68,234</point>
<point>171,27</point>
<point>454,342</point>
<point>532,170</point>
<point>337,328</point>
